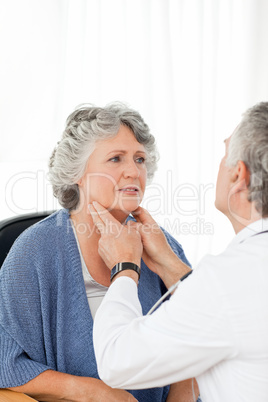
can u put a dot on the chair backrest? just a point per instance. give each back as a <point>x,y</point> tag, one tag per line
<point>11,228</point>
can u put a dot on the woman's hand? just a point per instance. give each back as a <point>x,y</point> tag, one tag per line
<point>100,392</point>
<point>183,391</point>
<point>53,386</point>
<point>108,394</point>
<point>118,243</point>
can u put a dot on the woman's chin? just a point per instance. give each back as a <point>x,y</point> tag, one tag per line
<point>122,213</point>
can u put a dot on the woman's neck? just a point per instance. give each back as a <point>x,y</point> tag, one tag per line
<point>88,238</point>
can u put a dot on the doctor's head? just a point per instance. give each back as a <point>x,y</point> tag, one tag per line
<point>243,175</point>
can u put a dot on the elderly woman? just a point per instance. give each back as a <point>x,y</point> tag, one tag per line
<point>53,279</point>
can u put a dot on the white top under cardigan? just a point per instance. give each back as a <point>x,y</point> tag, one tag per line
<point>94,290</point>
<point>214,327</point>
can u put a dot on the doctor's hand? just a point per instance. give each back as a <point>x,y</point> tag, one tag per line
<point>157,253</point>
<point>118,243</point>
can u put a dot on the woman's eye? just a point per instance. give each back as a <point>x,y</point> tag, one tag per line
<point>114,159</point>
<point>140,160</point>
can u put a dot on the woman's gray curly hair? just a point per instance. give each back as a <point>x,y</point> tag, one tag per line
<point>249,143</point>
<point>86,125</point>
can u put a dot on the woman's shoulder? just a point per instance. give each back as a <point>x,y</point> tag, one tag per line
<point>48,227</point>
<point>37,241</point>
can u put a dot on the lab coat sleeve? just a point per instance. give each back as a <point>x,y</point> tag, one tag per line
<point>184,337</point>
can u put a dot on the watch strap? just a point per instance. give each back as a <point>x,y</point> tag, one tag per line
<point>122,266</point>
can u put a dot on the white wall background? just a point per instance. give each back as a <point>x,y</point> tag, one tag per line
<point>191,67</point>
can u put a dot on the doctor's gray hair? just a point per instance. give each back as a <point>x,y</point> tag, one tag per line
<point>84,127</point>
<point>249,143</point>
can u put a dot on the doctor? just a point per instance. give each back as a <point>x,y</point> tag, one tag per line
<point>215,325</point>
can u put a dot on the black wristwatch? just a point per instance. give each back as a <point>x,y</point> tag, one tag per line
<point>122,266</point>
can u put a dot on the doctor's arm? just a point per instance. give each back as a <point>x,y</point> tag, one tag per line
<point>153,239</point>
<point>180,340</point>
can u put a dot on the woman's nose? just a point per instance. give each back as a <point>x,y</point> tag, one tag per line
<point>131,170</point>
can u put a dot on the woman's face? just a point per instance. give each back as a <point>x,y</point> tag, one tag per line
<point>116,174</point>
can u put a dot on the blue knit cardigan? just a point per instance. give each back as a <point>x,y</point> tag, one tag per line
<point>45,319</point>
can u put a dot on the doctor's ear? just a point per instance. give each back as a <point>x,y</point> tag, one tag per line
<point>240,176</point>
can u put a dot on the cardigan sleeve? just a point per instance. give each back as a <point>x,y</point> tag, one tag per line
<point>16,367</point>
<point>22,354</point>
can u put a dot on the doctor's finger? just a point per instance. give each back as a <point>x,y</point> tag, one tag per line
<point>142,215</point>
<point>105,215</point>
<point>98,222</point>
<point>134,225</point>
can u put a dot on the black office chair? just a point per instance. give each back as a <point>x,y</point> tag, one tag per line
<point>11,228</point>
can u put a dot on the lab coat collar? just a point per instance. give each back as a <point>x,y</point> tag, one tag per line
<point>253,229</point>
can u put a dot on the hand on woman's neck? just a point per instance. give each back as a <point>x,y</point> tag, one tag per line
<point>84,226</point>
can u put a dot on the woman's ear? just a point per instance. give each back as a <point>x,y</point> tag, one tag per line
<point>80,181</point>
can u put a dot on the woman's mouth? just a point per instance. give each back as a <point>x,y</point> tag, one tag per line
<point>129,190</point>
